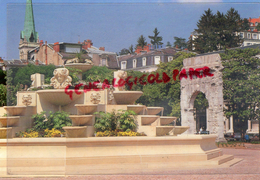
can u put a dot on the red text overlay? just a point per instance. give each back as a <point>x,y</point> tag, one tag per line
<point>152,78</point>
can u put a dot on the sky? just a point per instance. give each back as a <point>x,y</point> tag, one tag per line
<point>114,24</point>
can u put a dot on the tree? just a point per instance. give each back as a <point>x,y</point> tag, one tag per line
<point>180,42</point>
<point>233,26</point>
<point>165,95</point>
<point>98,73</point>
<point>168,44</point>
<point>190,44</point>
<point>2,95</point>
<point>141,41</point>
<point>219,31</point>
<point>124,52</point>
<point>2,77</point>
<point>131,49</point>
<point>258,27</point>
<point>155,39</point>
<point>241,86</point>
<point>245,24</point>
<point>206,40</point>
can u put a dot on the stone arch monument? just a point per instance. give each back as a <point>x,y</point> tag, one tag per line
<point>211,86</point>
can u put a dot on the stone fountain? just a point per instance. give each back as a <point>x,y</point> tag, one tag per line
<point>81,153</point>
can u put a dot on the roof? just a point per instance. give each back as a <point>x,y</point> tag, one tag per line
<point>66,55</point>
<point>254,20</point>
<point>112,62</point>
<point>164,51</point>
<point>255,46</point>
<point>95,50</point>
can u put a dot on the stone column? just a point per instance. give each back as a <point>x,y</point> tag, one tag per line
<point>227,124</point>
<point>231,124</point>
<point>249,125</point>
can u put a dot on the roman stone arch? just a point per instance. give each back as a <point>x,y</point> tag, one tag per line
<point>211,86</point>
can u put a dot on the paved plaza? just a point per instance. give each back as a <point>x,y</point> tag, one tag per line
<point>247,169</point>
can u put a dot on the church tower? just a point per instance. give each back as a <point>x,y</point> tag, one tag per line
<point>29,38</point>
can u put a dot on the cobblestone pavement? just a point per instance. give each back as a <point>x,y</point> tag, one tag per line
<point>247,169</point>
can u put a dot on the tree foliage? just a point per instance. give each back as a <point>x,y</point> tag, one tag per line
<point>180,42</point>
<point>98,73</point>
<point>124,51</point>
<point>155,39</point>
<point>2,95</point>
<point>2,77</point>
<point>241,86</point>
<point>141,41</point>
<point>219,31</point>
<point>165,95</point>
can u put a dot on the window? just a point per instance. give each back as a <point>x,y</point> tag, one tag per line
<point>251,24</point>
<point>248,44</point>
<point>248,36</point>
<point>170,58</point>
<point>103,62</point>
<point>157,60</point>
<point>241,35</point>
<point>256,23</point>
<point>123,65</point>
<point>254,36</point>
<point>144,61</point>
<point>134,63</point>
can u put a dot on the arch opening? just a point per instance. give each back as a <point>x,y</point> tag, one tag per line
<point>200,104</point>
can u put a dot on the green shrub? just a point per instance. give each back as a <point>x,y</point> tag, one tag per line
<point>59,120</point>
<point>126,120</point>
<point>121,121</point>
<point>55,120</point>
<point>255,142</point>
<point>105,121</point>
<point>40,122</point>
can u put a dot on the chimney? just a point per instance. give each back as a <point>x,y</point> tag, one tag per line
<point>56,47</point>
<point>41,42</point>
<point>45,52</point>
<point>138,50</point>
<point>87,44</point>
<point>102,48</point>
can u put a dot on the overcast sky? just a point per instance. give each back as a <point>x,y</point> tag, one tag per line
<point>114,24</point>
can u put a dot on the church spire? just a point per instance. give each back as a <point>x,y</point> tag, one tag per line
<point>29,32</point>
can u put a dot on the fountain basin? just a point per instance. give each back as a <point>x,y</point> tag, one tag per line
<point>179,130</point>
<point>126,97</point>
<point>164,120</point>
<point>58,97</point>
<point>148,119</point>
<point>86,108</point>
<point>9,121</point>
<point>75,131</point>
<point>154,110</point>
<point>5,132</point>
<point>136,108</point>
<point>15,110</point>
<point>163,130</point>
<point>80,120</point>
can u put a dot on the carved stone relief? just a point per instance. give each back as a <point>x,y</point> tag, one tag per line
<point>95,98</point>
<point>61,78</point>
<point>120,75</point>
<point>27,100</point>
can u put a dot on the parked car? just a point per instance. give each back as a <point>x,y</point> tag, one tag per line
<point>229,137</point>
<point>237,136</point>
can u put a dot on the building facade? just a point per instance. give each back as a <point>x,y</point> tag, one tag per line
<point>146,61</point>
